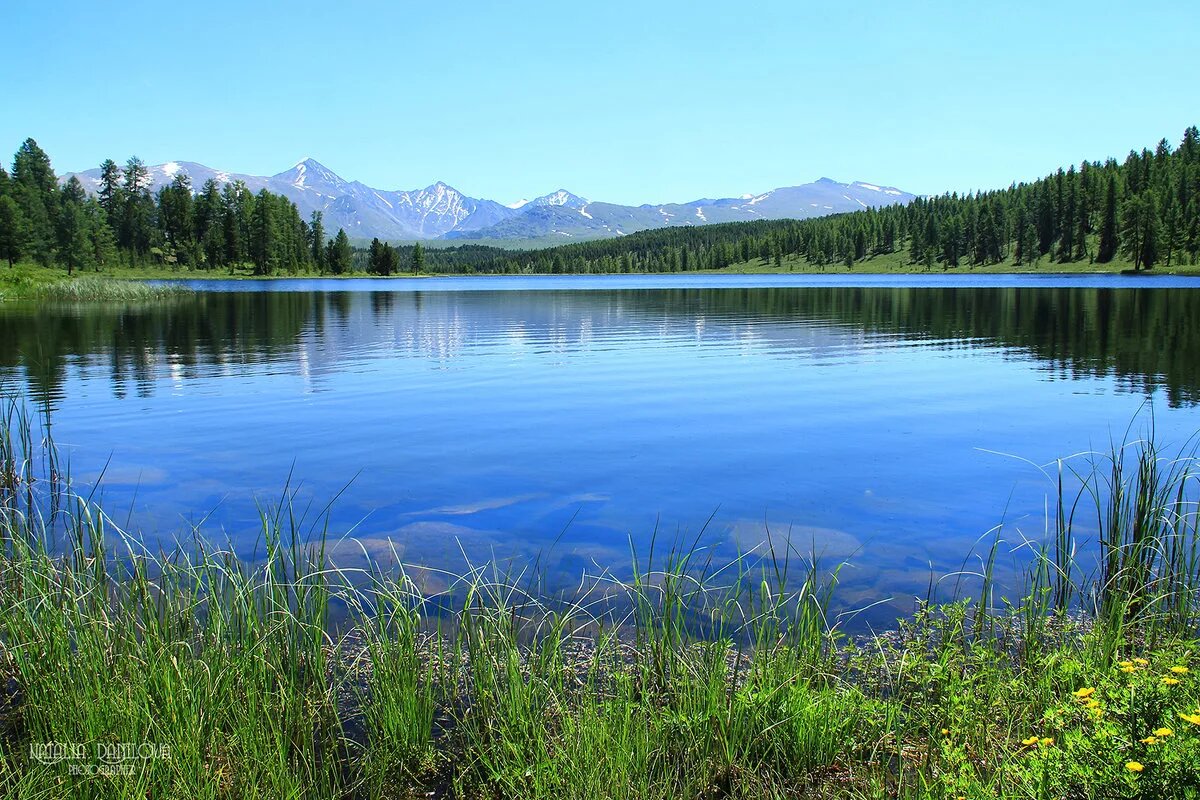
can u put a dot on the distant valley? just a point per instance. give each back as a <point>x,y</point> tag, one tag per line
<point>440,211</point>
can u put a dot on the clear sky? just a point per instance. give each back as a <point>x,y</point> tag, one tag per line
<point>620,101</point>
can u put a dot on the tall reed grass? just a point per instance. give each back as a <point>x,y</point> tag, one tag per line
<point>691,679</point>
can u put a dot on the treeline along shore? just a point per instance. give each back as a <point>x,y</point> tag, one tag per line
<point>1138,214</point>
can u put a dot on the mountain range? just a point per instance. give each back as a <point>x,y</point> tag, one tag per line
<point>440,211</point>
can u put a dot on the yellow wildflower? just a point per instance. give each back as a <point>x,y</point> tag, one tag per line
<point>1134,766</point>
<point>1032,740</point>
<point>1149,740</point>
<point>1170,681</point>
<point>1130,668</point>
<point>1179,670</point>
<point>1141,662</point>
<point>1161,732</point>
<point>1093,703</point>
<point>1047,741</point>
<point>1084,693</point>
<point>1192,718</point>
<point>1124,663</point>
<point>945,731</point>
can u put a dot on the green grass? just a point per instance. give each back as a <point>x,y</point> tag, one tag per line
<point>692,680</point>
<point>33,282</point>
<point>899,263</point>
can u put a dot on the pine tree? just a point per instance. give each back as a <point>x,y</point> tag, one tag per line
<point>262,236</point>
<point>137,216</point>
<point>375,257</point>
<point>317,236</point>
<point>100,235</point>
<point>418,258</point>
<point>339,255</point>
<point>391,260</point>
<point>12,230</point>
<point>110,192</point>
<point>36,190</point>
<point>74,246</point>
<point>1139,231</point>
<point>175,212</point>
<point>1173,234</point>
<point>1107,248</point>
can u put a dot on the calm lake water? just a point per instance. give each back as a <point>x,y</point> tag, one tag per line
<point>569,418</point>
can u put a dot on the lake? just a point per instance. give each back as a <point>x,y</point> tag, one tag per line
<point>893,421</point>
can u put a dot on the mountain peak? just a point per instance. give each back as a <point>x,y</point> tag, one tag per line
<point>560,198</point>
<point>308,171</point>
<point>440,187</point>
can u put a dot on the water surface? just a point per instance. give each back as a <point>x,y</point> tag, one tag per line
<point>571,418</point>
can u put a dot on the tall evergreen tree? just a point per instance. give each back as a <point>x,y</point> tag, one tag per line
<point>1139,231</point>
<point>262,235</point>
<point>100,235</point>
<point>418,258</point>
<point>36,191</point>
<point>12,230</point>
<point>375,257</point>
<point>1107,247</point>
<point>74,246</point>
<point>340,255</point>
<point>317,235</point>
<point>110,192</point>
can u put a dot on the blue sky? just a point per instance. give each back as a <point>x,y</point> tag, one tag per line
<point>624,102</point>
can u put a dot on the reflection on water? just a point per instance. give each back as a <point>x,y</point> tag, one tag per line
<point>855,420</point>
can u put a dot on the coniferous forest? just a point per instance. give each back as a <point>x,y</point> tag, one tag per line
<point>1143,212</point>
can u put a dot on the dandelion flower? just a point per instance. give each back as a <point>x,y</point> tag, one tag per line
<point>1149,740</point>
<point>1047,741</point>
<point>1141,662</point>
<point>1093,703</point>
<point>1084,693</point>
<point>1169,681</point>
<point>1179,670</point>
<point>1130,668</point>
<point>1161,732</point>
<point>1192,718</point>
<point>1032,740</point>
<point>1135,766</point>
<point>1124,663</point>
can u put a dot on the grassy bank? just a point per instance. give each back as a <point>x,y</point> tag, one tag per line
<point>199,674</point>
<point>32,282</point>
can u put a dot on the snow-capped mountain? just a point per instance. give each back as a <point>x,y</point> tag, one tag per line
<point>441,211</point>
<point>562,216</point>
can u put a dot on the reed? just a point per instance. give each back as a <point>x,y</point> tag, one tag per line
<point>284,675</point>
